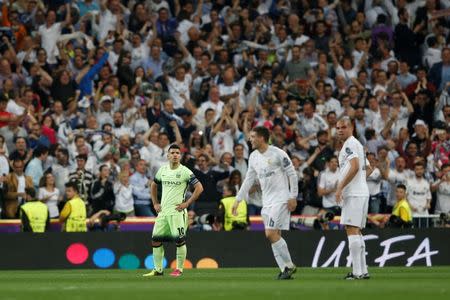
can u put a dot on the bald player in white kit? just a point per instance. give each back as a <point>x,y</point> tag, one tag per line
<point>353,193</point>
<point>279,185</point>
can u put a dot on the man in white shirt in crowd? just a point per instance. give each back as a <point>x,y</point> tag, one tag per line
<point>310,122</point>
<point>396,176</point>
<point>279,184</point>
<point>51,31</point>
<point>328,181</point>
<point>353,193</point>
<point>374,184</point>
<point>179,87</point>
<point>442,188</point>
<point>419,192</point>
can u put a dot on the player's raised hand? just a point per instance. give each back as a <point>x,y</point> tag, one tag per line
<point>292,204</point>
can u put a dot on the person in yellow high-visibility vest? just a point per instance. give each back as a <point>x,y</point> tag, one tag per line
<point>239,221</point>
<point>402,211</point>
<point>73,215</point>
<point>34,214</point>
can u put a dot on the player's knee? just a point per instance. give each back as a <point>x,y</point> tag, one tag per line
<point>180,241</point>
<point>272,235</point>
<point>156,244</point>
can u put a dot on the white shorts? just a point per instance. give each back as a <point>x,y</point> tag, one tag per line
<point>354,211</point>
<point>276,216</point>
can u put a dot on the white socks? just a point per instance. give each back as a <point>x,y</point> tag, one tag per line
<point>355,249</point>
<point>363,256</point>
<point>281,254</point>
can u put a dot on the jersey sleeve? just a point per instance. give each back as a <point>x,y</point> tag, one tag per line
<point>288,168</point>
<point>351,151</point>
<point>190,177</point>
<point>250,178</point>
<point>321,180</point>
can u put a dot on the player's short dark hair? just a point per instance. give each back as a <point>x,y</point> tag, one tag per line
<point>73,185</point>
<point>174,146</point>
<point>262,132</point>
<point>322,132</point>
<point>401,186</point>
<point>331,157</point>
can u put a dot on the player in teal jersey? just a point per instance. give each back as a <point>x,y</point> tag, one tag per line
<point>171,222</point>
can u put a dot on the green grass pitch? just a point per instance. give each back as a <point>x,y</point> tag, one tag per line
<point>232,284</point>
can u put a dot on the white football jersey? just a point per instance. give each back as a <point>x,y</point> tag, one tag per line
<point>276,175</point>
<point>358,185</point>
<point>418,192</point>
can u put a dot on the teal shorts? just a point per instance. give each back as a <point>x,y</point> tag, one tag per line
<point>170,228</point>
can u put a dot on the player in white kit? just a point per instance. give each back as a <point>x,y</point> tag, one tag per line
<point>353,193</point>
<point>279,185</point>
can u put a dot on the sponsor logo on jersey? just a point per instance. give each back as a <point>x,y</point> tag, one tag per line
<point>169,182</point>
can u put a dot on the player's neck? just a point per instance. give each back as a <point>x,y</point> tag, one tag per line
<point>263,148</point>
<point>173,166</point>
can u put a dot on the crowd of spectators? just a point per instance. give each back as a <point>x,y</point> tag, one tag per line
<point>95,91</point>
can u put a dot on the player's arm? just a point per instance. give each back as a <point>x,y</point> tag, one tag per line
<point>198,189</point>
<point>65,212</point>
<point>249,180</point>
<point>354,166</point>
<point>154,193</point>
<point>288,167</point>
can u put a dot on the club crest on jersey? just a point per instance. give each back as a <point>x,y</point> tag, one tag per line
<point>286,162</point>
<point>269,161</point>
<point>348,151</point>
<point>178,175</point>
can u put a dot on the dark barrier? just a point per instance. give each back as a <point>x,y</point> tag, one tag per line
<point>233,249</point>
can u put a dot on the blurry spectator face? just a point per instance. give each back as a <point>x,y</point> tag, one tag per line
<point>36,129</point>
<point>400,193</point>
<point>359,114</point>
<point>41,55</point>
<point>118,119</point>
<point>81,163</point>
<point>384,111</point>
<point>168,106</point>
<point>421,74</point>
<point>404,68</point>
<point>104,172</point>
<point>163,15</point>
<point>141,167</point>
<point>51,18</point>
<point>373,104</point>
<point>308,110</point>
<point>333,164</point>
<point>397,99</point>
<point>163,140</point>
<point>49,179</point>
<point>411,149</point>
<point>179,73</point>
<point>91,122</point>
<point>202,162</point>
<point>21,144</point>
<point>107,139</point>
<point>213,70</point>
<point>400,164</point>
<point>239,152</point>
<point>18,166</point>
<point>393,67</point>
<point>322,139</point>
<point>419,171</point>
<point>79,142</point>
<point>227,158</point>
<point>295,53</point>
<point>124,141</point>
<point>372,159</point>
<point>5,67</point>
<point>70,192</point>
<point>65,78</point>
<point>331,119</point>
<point>214,94</point>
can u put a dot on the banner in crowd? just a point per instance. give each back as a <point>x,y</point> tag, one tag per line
<point>131,250</point>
